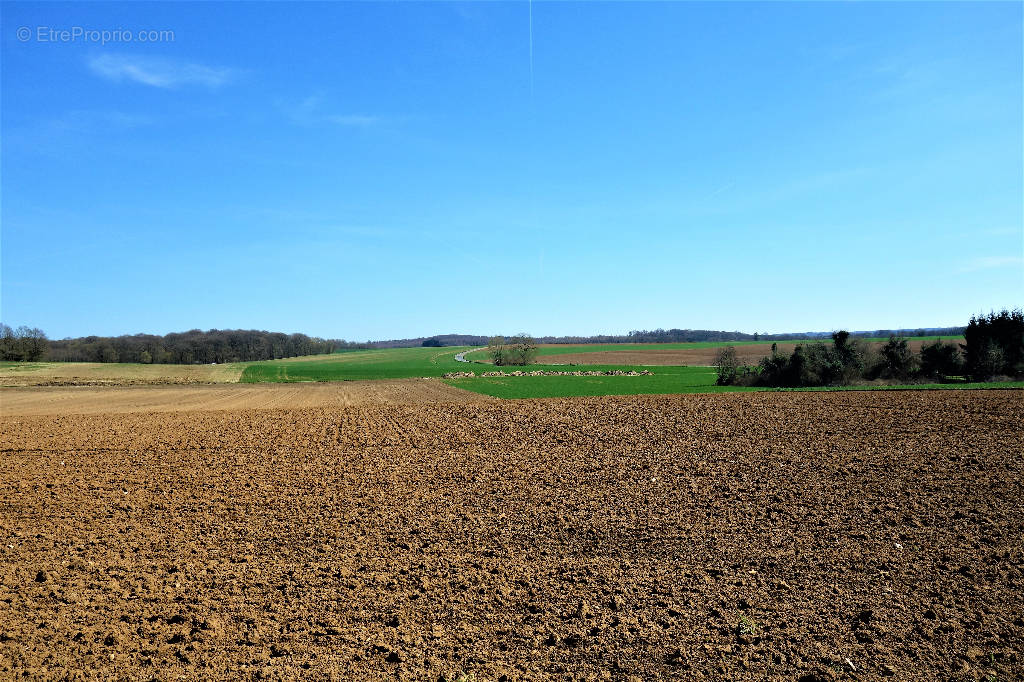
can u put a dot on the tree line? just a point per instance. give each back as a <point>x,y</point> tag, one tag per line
<point>993,347</point>
<point>184,348</point>
<point>23,343</point>
<point>663,336</point>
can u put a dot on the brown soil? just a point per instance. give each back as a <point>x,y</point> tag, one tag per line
<point>811,536</point>
<point>114,399</point>
<point>748,355</point>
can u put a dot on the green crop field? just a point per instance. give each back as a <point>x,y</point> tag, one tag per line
<point>403,363</point>
<point>672,380</point>
<point>387,363</point>
<point>395,363</point>
<point>665,380</point>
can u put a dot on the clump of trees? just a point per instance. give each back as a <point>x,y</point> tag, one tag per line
<point>193,347</point>
<point>433,343</point>
<point>517,350</point>
<point>994,347</point>
<point>811,364</point>
<point>22,344</point>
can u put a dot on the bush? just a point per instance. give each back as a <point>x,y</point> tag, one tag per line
<point>727,365</point>
<point>940,360</point>
<point>988,361</point>
<point>897,362</point>
<point>849,355</point>
<point>773,369</point>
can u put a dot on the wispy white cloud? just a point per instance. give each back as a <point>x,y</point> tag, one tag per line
<point>724,188</point>
<point>352,120</point>
<point>992,262</point>
<point>57,136</point>
<point>310,111</point>
<point>91,120</point>
<point>1003,232</point>
<point>159,73</point>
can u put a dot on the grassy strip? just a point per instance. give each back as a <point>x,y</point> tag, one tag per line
<point>977,385</point>
<point>690,380</point>
<point>665,380</point>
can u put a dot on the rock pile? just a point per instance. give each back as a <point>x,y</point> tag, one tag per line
<point>547,373</point>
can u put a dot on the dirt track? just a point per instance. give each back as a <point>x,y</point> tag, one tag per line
<point>694,357</point>
<point>119,399</point>
<point>744,536</point>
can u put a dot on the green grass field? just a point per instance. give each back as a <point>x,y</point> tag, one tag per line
<point>399,363</point>
<point>665,380</point>
<point>403,363</point>
<point>691,380</point>
<point>389,363</point>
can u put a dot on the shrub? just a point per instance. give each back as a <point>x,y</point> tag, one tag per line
<point>940,360</point>
<point>850,356</point>
<point>988,361</point>
<point>774,369</point>
<point>496,349</point>
<point>897,360</point>
<point>727,365</point>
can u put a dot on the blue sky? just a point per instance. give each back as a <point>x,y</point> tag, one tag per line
<point>367,171</point>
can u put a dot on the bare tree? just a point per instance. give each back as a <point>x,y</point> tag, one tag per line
<point>23,343</point>
<point>496,349</point>
<point>520,349</point>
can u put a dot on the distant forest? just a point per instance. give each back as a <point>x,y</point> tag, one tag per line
<point>665,336</point>
<point>699,335</point>
<point>193,347</point>
<point>249,345</point>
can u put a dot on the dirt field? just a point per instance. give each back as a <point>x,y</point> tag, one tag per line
<point>810,536</point>
<point>114,373</point>
<point>119,399</point>
<point>693,357</point>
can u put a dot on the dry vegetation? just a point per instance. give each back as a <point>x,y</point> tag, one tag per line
<point>744,536</point>
<point>120,399</point>
<point>114,374</point>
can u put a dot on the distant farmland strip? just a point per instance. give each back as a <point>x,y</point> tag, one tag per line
<point>682,354</point>
<point>564,349</point>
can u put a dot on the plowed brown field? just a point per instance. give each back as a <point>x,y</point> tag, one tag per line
<point>808,536</point>
<point>115,399</point>
<point>748,355</point>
